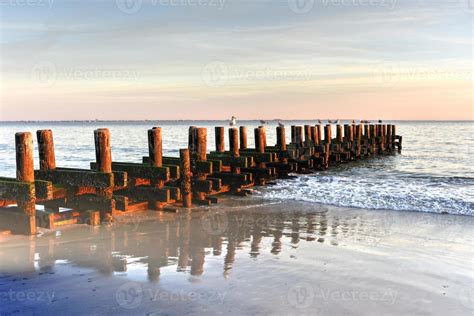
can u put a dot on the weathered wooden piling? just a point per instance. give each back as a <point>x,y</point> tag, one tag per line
<point>46,149</point>
<point>243,137</point>
<point>348,133</point>
<point>327,134</point>
<point>220,143</point>
<point>155,147</point>
<point>234,147</point>
<point>103,156</point>
<point>103,151</point>
<point>339,136</point>
<point>259,139</point>
<point>186,175</point>
<point>281,138</point>
<point>194,177</point>
<point>25,170</point>
<point>308,136</point>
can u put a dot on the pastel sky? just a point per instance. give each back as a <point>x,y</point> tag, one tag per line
<point>211,59</point>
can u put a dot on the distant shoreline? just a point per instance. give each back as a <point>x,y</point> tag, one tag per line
<point>373,121</point>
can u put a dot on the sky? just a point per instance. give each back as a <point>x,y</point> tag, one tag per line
<point>255,59</point>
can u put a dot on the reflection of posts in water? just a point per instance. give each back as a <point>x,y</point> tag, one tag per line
<point>196,249</point>
<point>277,234</point>
<point>183,242</point>
<point>310,224</point>
<point>216,244</point>
<point>295,229</point>
<point>158,257</point>
<point>256,238</point>
<point>229,256</point>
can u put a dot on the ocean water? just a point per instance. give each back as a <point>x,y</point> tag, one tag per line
<point>434,173</point>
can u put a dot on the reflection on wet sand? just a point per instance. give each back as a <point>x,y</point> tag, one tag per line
<point>182,240</point>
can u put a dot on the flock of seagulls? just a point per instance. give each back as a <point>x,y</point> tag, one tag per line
<point>233,122</point>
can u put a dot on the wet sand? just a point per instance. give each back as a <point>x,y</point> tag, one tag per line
<point>246,256</point>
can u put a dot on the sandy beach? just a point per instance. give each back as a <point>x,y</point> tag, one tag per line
<point>246,256</point>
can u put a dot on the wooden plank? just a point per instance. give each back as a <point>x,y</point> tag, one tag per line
<point>120,177</point>
<point>204,186</point>
<point>77,178</point>
<point>142,171</point>
<point>44,190</point>
<point>228,160</point>
<point>16,191</point>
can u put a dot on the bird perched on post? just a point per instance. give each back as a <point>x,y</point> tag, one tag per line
<point>320,122</point>
<point>263,122</point>
<point>280,124</point>
<point>233,121</point>
<point>380,121</point>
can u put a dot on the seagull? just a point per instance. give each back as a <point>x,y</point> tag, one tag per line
<point>263,122</point>
<point>233,121</point>
<point>353,121</point>
<point>280,124</point>
<point>380,121</point>
<point>319,121</point>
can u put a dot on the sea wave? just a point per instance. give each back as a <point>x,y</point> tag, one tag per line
<point>452,195</point>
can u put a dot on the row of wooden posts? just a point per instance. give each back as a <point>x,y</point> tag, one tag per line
<point>108,188</point>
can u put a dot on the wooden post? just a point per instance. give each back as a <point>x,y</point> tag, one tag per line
<point>314,135</point>
<point>192,139</point>
<point>243,137</point>
<point>366,131</point>
<point>185,164</point>
<point>339,135</point>
<point>389,137</point>
<point>46,149</point>
<point>219,132</point>
<point>281,138</point>
<point>308,137</point>
<point>259,142</point>
<point>299,135</point>
<point>234,146</point>
<point>201,144</point>
<point>358,131</point>
<point>264,131</point>
<point>103,152</point>
<point>319,134</point>
<point>103,156</point>
<point>327,134</point>
<point>348,133</point>
<point>293,134</point>
<point>155,146</point>
<point>25,171</point>
<point>373,131</point>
